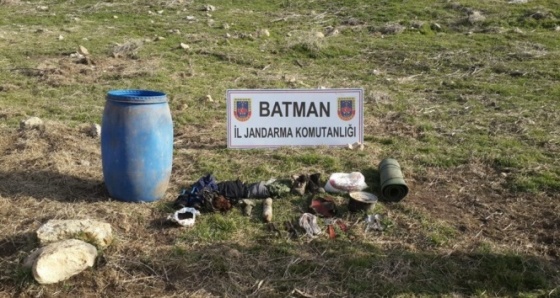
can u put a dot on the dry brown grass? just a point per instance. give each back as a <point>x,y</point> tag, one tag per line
<point>56,173</point>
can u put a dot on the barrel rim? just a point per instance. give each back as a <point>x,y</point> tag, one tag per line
<point>139,96</point>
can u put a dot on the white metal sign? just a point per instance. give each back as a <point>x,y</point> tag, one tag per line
<point>294,117</point>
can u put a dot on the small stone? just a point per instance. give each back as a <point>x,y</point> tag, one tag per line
<point>158,38</point>
<point>435,27</point>
<point>557,28</point>
<point>77,56</point>
<point>228,35</point>
<point>476,17</point>
<point>152,22</point>
<point>184,46</point>
<point>60,37</point>
<point>76,19</point>
<point>517,1</point>
<point>211,23</point>
<point>319,34</point>
<point>208,98</point>
<point>208,7</point>
<point>82,50</point>
<point>331,31</point>
<point>160,12</point>
<point>115,17</point>
<point>191,18</point>
<point>42,8</point>
<point>225,26</point>
<point>61,260</point>
<point>263,33</point>
<point>94,130</point>
<point>84,163</point>
<point>517,30</point>
<point>32,123</point>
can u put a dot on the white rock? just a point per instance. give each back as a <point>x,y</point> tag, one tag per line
<point>99,233</point>
<point>191,18</point>
<point>208,98</point>
<point>185,46</point>
<point>319,34</point>
<point>263,33</point>
<point>94,130</point>
<point>225,26</point>
<point>115,17</point>
<point>517,1</point>
<point>32,123</point>
<point>331,31</point>
<point>476,17</point>
<point>60,37</point>
<point>61,260</point>
<point>82,50</point>
<point>209,7</point>
<point>42,8</point>
<point>557,28</point>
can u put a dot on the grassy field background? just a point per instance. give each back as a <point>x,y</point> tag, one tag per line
<point>464,94</point>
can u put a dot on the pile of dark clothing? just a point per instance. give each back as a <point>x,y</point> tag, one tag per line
<point>207,194</point>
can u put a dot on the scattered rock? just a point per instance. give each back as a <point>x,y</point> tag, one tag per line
<point>228,35</point>
<point>331,31</point>
<point>517,1</point>
<point>174,31</point>
<point>159,38</point>
<point>476,17</point>
<point>517,30</point>
<point>115,17</point>
<point>416,24</point>
<point>319,34</point>
<point>61,260</point>
<point>94,130</point>
<point>208,98</point>
<point>160,12</point>
<point>82,50</point>
<point>263,33</point>
<point>211,23</point>
<point>84,163</point>
<point>99,233</point>
<point>184,46</point>
<point>557,28</point>
<point>190,18</point>
<point>60,37</point>
<point>356,146</point>
<point>32,123</point>
<point>390,29</point>
<point>208,7</point>
<point>42,8</point>
<point>225,26</point>
<point>435,27</point>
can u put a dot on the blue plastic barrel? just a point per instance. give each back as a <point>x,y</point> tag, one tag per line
<point>136,145</point>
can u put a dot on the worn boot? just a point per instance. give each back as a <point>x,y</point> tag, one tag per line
<point>299,184</point>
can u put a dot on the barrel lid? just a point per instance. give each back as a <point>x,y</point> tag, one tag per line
<point>137,96</point>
